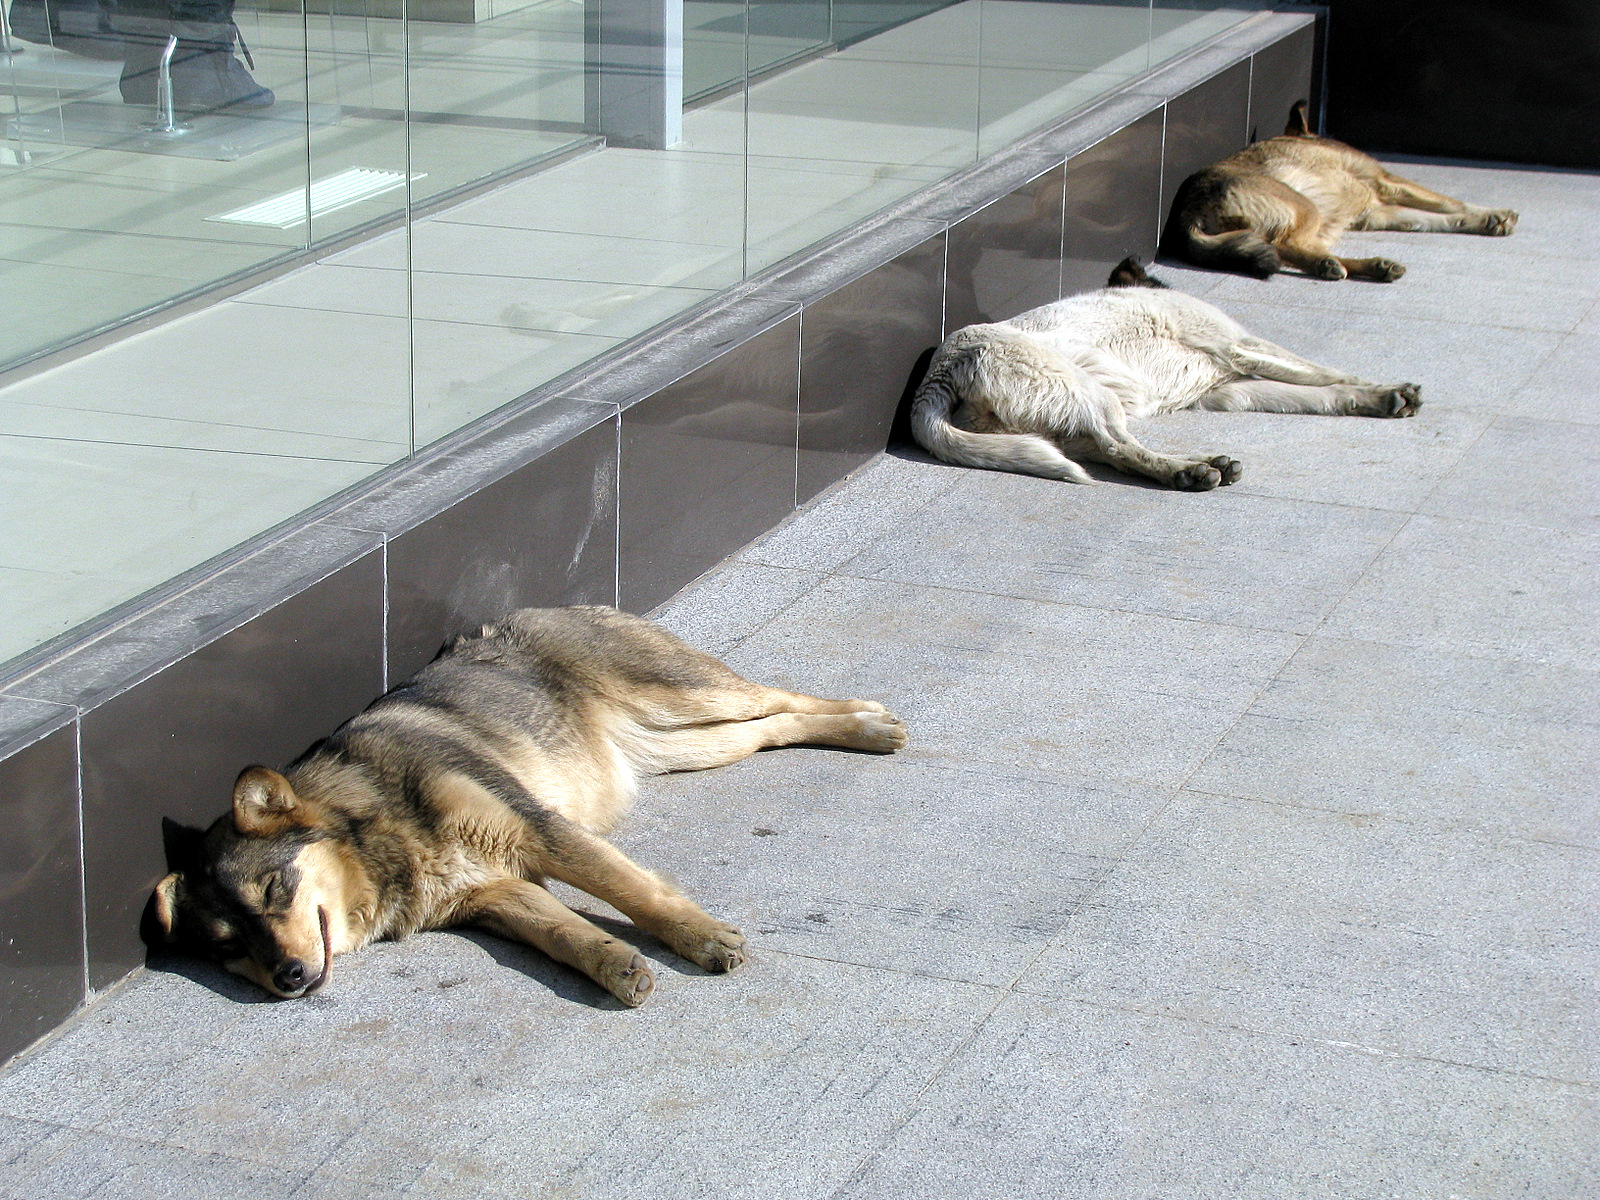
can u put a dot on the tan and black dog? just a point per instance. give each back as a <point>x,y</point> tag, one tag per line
<point>454,796</point>
<point>1286,200</point>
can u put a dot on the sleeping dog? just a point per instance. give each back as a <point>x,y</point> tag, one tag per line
<point>1285,201</point>
<point>1059,383</point>
<point>455,796</point>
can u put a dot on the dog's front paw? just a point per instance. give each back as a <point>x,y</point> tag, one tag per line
<point>1327,268</point>
<point>1499,223</point>
<point>1197,477</point>
<point>628,978</point>
<point>1229,468</point>
<point>715,947</point>
<point>1403,400</point>
<point>866,706</point>
<point>881,731</point>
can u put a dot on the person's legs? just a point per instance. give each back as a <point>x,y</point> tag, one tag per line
<point>205,74</point>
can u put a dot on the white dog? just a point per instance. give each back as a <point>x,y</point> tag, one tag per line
<point>1059,382</point>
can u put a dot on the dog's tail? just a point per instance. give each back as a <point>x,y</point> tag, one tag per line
<point>1207,198</point>
<point>1236,250</point>
<point>936,399</point>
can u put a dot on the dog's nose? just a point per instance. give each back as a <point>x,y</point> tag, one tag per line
<point>290,977</point>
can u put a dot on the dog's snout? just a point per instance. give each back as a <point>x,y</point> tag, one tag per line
<point>290,977</point>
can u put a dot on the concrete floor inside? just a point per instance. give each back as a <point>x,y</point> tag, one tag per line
<point>1245,846</point>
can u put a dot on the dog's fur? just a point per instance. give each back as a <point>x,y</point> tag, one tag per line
<point>1286,200</point>
<point>1059,383</point>
<point>453,797</point>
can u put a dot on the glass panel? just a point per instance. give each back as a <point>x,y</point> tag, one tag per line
<point>355,59</point>
<point>838,137</point>
<point>634,157</point>
<point>783,30</point>
<point>713,47</point>
<point>536,277</point>
<point>107,208</point>
<point>1044,58</point>
<point>135,463</point>
<point>1179,25</point>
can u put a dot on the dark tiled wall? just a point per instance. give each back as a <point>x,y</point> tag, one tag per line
<point>545,534</point>
<point>1206,123</point>
<point>859,348</point>
<point>1112,204</point>
<point>41,901</point>
<point>634,505</point>
<point>1280,76</point>
<point>708,464</point>
<point>1006,258</point>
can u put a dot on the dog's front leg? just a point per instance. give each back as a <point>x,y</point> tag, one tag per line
<point>575,856</point>
<point>525,912</point>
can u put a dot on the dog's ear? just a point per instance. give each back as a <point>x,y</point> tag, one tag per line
<point>1299,124</point>
<point>264,803</point>
<point>1131,273</point>
<point>169,895</point>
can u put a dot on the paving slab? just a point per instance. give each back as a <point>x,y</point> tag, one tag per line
<point>1015,683</point>
<point>1082,1102</point>
<point>1447,740</point>
<point>1523,471</point>
<point>1566,384</point>
<point>1222,556</point>
<point>1348,927</point>
<point>893,862</point>
<point>1358,462</point>
<point>1480,587</point>
<point>453,1065</point>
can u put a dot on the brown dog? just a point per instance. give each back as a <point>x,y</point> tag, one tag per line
<point>1285,201</point>
<point>455,796</point>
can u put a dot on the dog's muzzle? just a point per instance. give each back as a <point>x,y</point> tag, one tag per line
<point>294,979</point>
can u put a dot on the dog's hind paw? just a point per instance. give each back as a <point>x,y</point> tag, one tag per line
<point>1230,468</point>
<point>1402,400</point>
<point>1197,477</point>
<point>631,981</point>
<point>1499,223</point>
<point>881,731</point>
<point>1384,270</point>
<point>1327,268</point>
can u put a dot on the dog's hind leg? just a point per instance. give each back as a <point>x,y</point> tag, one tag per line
<point>1338,399</point>
<point>1126,453</point>
<point>1257,356</point>
<point>577,857</point>
<point>700,747</point>
<point>1107,393</point>
<point>525,912</point>
<point>1308,246</point>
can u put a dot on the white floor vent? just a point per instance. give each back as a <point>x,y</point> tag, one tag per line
<point>327,195</point>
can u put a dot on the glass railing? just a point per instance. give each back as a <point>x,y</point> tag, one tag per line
<point>295,242</point>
